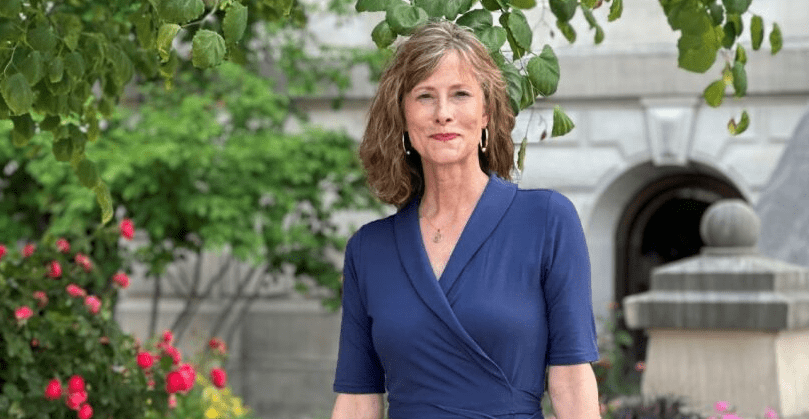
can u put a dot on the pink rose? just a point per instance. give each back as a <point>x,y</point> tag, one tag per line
<point>145,360</point>
<point>41,297</point>
<point>172,352</point>
<point>168,337</point>
<point>54,269</point>
<point>92,303</point>
<point>3,250</point>
<point>23,313</point>
<point>76,291</point>
<point>771,414</point>
<point>85,412</point>
<point>189,375</point>
<point>75,384</point>
<point>75,400</point>
<point>53,390</point>
<point>121,279</point>
<point>217,345</point>
<point>28,250</point>
<point>218,377</point>
<point>127,229</point>
<point>83,261</point>
<point>62,246</point>
<point>721,406</point>
<point>174,382</point>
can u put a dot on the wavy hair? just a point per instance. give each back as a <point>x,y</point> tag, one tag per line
<point>396,177</point>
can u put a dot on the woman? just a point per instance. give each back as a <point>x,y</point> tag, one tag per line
<point>458,303</point>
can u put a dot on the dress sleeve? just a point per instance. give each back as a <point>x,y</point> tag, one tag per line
<point>566,284</point>
<point>359,370</point>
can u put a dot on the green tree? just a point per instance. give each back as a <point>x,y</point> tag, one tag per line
<point>203,167</point>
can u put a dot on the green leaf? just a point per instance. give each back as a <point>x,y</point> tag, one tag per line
<point>697,51</point>
<point>476,19</point>
<point>599,36</point>
<point>404,18</point>
<point>493,37</point>
<point>56,69</point>
<point>567,30</point>
<point>736,6</point>
<point>104,200</point>
<point>17,93</point>
<point>494,5</point>
<point>562,124</point>
<point>756,31</point>
<point>616,10</point>
<point>10,8</point>
<point>165,37</point>
<point>529,94</point>
<point>87,173</point>
<point>524,4</point>
<point>513,85</point>
<point>33,67</point>
<point>717,13</point>
<point>181,11</point>
<point>564,10</point>
<point>517,26</point>
<point>235,22</point>
<point>382,35</point>
<point>24,129</point>
<point>543,70</point>
<point>144,29</point>
<point>50,122</point>
<point>453,8</point>
<point>521,154</point>
<point>739,79</point>
<point>70,28</point>
<point>740,127</point>
<point>432,7</point>
<point>63,149</point>
<point>714,93</point>
<point>42,39</point>
<point>372,5</point>
<point>74,65</point>
<point>741,54</point>
<point>776,39</point>
<point>207,49</point>
<point>122,68</point>
<point>728,35</point>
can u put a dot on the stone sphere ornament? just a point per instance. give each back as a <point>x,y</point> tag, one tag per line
<point>730,223</point>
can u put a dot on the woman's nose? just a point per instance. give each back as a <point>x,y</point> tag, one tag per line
<point>443,112</point>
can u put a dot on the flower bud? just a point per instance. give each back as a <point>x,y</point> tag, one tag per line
<point>54,269</point>
<point>145,360</point>
<point>41,297</point>
<point>218,377</point>
<point>28,250</point>
<point>85,412</point>
<point>127,229</point>
<point>53,390</point>
<point>121,279</point>
<point>23,313</point>
<point>62,246</point>
<point>93,304</point>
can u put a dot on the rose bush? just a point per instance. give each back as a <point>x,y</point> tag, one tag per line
<point>62,355</point>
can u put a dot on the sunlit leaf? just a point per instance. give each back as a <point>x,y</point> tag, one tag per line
<point>42,39</point>
<point>235,22</point>
<point>776,39</point>
<point>741,54</point>
<point>476,19</point>
<point>181,11</point>
<point>165,37</point>
<point>33,67</point>
<point>616,10</point>
<point>74,65</point>
<point>517,26</point>
<point>207,49</point>
<point>736,6</point>
<point>432,7</point>
<point>567,30</point>
<point>104,200</point>
<point>524,4</point>
<point>737,128</point>
<point>562,124</point>
<point>521,154</point>
<point>10,8</point>
<point>63,149</point>
<point>494,5</point>
<point>513,85</point>
<point>56,69</point>
<point>87,173</point>
<point>739,79</point>
<point>714,93</point>
<point>493,37</point>
<point>756,32</point>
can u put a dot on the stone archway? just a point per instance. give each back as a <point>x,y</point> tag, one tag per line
<point>660,224</point>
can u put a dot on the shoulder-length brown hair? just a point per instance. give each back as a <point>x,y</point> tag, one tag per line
<point>396,177</point>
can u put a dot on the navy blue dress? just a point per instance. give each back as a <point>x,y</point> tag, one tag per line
<point>514,298</point>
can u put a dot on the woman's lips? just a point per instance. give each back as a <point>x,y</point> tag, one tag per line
<point>444,137</point>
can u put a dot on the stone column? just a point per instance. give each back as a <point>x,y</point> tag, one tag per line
<point>727,324</point>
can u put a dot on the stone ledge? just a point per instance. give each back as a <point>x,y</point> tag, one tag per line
<point>718,310</point>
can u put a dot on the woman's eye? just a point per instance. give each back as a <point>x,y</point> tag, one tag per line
<point>462,93</point>
<point>423,96</point>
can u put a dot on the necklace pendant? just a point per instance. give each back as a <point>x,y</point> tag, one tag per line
<point>437,237</point>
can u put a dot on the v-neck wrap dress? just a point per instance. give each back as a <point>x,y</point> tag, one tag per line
<point>513,298</point>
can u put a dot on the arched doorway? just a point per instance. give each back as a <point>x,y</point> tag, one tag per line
<point>660,224</point>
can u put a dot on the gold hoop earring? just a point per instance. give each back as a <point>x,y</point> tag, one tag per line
<point>404,146</point>
<point>483,139</point>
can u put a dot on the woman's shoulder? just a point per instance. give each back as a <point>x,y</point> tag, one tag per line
<point>544,199</point>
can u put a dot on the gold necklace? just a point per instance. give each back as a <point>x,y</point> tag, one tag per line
<point>437,237</point>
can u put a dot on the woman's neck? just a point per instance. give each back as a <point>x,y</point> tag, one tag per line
<point>450,194</point>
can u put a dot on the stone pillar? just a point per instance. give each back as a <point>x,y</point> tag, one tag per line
<point>727,324</point>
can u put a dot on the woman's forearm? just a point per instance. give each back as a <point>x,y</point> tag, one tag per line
<point>357,406</point>
<point>573,391</point>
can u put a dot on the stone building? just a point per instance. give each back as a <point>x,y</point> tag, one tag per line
<point>646,158</point>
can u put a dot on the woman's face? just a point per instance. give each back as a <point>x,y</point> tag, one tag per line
<point>445,114</point>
